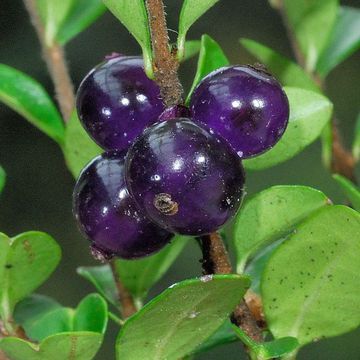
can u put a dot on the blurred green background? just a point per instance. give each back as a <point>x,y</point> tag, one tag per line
<point>39,187</point>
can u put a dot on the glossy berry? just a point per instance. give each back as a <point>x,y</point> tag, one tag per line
<point>186,180</point>
<point>245,105</point>
<point>116,101</point>
<point>108,216</point>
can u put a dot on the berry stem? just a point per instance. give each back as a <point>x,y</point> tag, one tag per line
<point>54,56</point>
<point>342,160</point>
<point>128,307</point>
<point>165,63</point>
<point>216,261</point>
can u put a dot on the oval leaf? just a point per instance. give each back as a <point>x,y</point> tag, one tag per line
<point>79,148</point>
<point>133,15</point>
<point>286,71</point>
<point>28,98</point>
<point>312,278</point>
<point>309,113</point>
<point>270,215</point>
<point>190,12</point>
<point>351,191</point>
<point>74,346</point>
<point>185,315</point>
<point>211,57</point>
<point>344,41</point>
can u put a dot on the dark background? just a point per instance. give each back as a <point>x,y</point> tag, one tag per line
<point>39,187</point>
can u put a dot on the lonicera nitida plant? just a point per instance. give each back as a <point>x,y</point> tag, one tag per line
<point>160,167</point>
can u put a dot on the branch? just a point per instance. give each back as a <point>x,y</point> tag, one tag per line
<point>128,307</point>
<point>216,261</point>
<point>165,64</point>
<point>54,57</point>
<point>342,161</point>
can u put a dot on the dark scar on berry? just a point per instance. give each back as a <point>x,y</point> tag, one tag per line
<point>165,204</point>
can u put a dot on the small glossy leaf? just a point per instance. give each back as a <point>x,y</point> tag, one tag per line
<point>103,280</point>
<point>270,215</point>
<point>191,11</point>
<point>28,98</point>
<point>312,22</point>
<point>351,191</point>
<point>356,144</point>
<point>309,113</point>
<point>185,315</point>
<point>344,41</point>
<point>286,71</point>
<point>91,314</point>
<point>28,260</point>
<point>133,15</point>
<point>2,179</point>
<point>192,47</point>
<point>79,148</point>
<point>81,14</point>
<point>312,278</point>
<point>326,145</point>
<point>138,276</point>
<point>211,58</point>
<point>74,346</point>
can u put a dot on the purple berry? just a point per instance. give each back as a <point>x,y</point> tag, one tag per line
<point>186,180</point>
<point>245,105</point>
<point>108,216</point>
<point>116,101</point>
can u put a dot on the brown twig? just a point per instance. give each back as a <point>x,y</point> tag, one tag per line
<point>126,300</point>
<point>54,57</point>
<point>165,64</point>
<point>216,261</point>
<point>342,161</point>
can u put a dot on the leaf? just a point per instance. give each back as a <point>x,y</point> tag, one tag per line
<point>79,148</point>
<point>91,314</point>
<point>28,98</point>
<point>133,15</point>
<point>286,71</point>
<point>356,144</point>
<point>351,191</point>
<point>312,278</point>
<point>211,58</point>
<point>270,215</point>
<point>2,179</point>
<point>191,11</point>
<point>184,316</point>
<point>309,113</point>
<point>138,276</point>
<point>74,346</point>
<point>192,47</point>
<point>312,22</point>
<point>81,14</point>
<point>28,260</point>
<point>344,41</point>
<point>327,144</point>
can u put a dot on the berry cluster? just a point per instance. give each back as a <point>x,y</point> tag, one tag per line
<point>175,170</point>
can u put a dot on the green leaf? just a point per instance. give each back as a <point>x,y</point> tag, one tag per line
<point>309,113</point>
<point>356,144</point>
<point>133,15</point>
<point>286,71</point>
<point>81,15</point>
<point>270,215</point>
<point>91,314</point>
<point>138,276</point>
<point>2,179</point>
<point>185,315</point>
<point>312,22</point>
<point>28,98</point>
<point>312,278</point>
<point>344,41</point>
<point>211,58</point>
<point>26,262</point>
<point>74,346</point>
<point>351,191</point>
<point>326,145</point>
<point>191,11</point>
<point>79,148</point>
<point>192,47</point>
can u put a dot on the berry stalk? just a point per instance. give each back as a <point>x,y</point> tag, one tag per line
<point>54,57</point>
